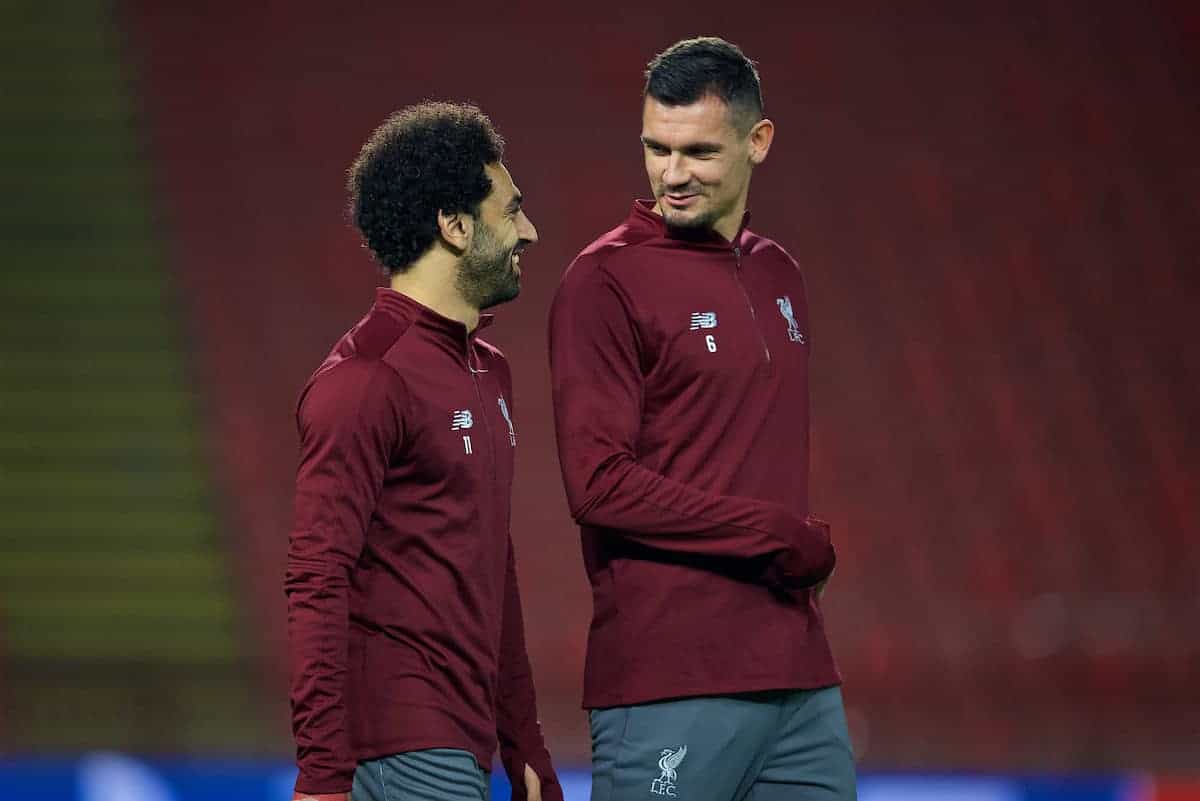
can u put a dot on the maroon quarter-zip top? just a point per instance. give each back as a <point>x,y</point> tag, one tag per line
<point>680,375</point>
<point>403,607</point>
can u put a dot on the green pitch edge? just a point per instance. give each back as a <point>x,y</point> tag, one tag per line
<point>117,619</point>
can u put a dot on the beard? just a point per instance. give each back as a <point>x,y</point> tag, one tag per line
<point>485,275</point>
<point>688,220</point>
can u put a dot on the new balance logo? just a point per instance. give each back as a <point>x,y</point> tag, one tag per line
<point>668,764</point>
<point>703,320</point>
<point>461,419</point>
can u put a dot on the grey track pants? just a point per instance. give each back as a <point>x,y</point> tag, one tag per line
<point>438,774</point>
<point>774,746</point>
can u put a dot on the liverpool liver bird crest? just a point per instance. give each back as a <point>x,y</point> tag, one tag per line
<point>669,762</point>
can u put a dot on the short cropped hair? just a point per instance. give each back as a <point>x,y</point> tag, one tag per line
<point>692,68</point>
<point>423,159</point>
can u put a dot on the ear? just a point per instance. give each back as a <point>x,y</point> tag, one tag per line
<point>760,137</point>
<point>456,229</point>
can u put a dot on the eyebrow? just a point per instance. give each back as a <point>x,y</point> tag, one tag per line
<point>694,147</point>
<point>515,203</point>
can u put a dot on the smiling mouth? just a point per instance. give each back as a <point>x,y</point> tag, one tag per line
<point>680,200</point>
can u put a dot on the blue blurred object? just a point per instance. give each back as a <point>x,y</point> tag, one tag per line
<point>43,779</point>
<point>119,777</point>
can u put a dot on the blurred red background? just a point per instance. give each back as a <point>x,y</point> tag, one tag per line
<point>995,207</point>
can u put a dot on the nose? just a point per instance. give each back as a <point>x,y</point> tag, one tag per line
<point>525,229</point>
<point>676,173</point>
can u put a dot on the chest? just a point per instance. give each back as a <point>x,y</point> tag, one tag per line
<point>459,432</point>
<point>723,324</point>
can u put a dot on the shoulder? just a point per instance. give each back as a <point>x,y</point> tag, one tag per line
<point>353,392</point>
<point>356,374</point>
<point>765,248</point>
<point>363,348</point>
<point>593,287</point>
<point>607,258</point>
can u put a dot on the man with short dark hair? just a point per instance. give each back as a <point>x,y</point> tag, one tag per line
<point>679,354</point>
<point>404,615</point>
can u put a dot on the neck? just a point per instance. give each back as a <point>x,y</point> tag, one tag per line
<point>430,282</point>
<point>729,225</point>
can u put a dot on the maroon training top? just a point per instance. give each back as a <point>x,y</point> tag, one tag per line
<point>680,372</point>
<point>404,614</point>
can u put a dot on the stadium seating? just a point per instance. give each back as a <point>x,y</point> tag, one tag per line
<point>115,596</point>
<point>995,213</point>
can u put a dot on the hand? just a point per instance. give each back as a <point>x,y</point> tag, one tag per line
<point>819,589</point>
<point>533,785</point>
<point>807,563</point>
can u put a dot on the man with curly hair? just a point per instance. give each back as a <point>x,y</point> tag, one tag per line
<point>404,616</point>
<point>682,424</point>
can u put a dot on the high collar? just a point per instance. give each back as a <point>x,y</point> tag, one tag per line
<point>643,214</point>
<point>402,307</point>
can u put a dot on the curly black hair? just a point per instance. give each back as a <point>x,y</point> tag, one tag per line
<point>422,159</point>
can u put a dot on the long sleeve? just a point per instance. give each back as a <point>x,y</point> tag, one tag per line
<point>349,427</point>
<point>595,355</point>
<point>517,726</point>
